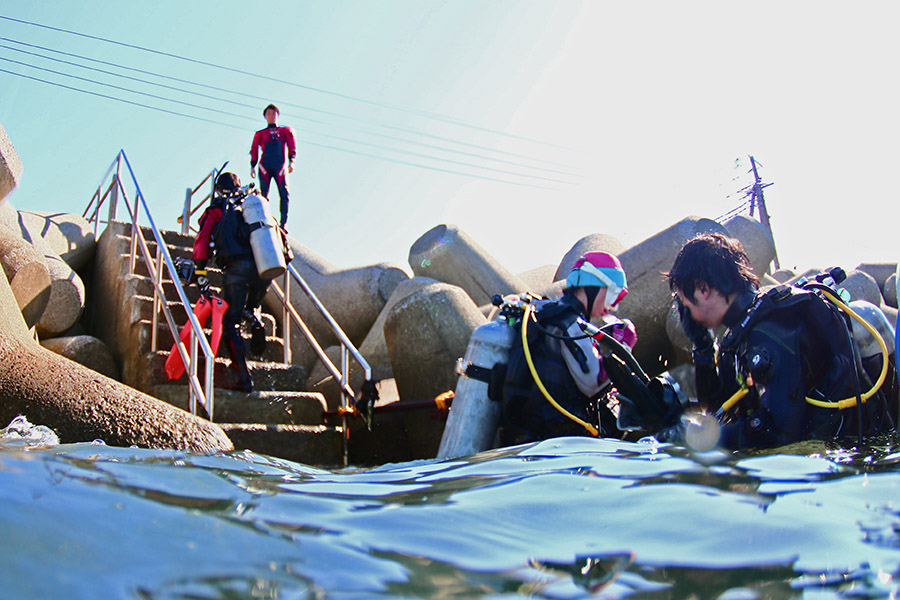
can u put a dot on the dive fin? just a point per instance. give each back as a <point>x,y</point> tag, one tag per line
<point>174,364</point>
<point>219,307</point>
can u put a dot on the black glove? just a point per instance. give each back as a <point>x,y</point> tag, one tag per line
<point>697,333</point>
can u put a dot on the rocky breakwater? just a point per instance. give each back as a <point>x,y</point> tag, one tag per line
<point>41,302</point>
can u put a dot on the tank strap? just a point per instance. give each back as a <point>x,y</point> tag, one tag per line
<point>478,373</point>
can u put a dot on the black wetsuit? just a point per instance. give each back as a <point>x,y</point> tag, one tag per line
<point>527,415</point>
<point>793,344</point>
<point>242,287</point>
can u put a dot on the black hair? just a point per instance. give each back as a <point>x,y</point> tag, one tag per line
<point>715,259</point>
<point>266,109</point>
<point>227,182</point>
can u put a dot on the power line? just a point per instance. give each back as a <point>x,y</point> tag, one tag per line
<point>244,105</point>
<point>231,126</point>
<point>99,95</point>
<point>226,113</point>
<point>124,89</point>
<point>425,114</point>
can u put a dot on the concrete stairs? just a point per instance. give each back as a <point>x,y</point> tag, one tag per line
<point>279,418</point>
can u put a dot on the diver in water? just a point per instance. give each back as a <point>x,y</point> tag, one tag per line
<point>566,360</point>
<point>785,361</point>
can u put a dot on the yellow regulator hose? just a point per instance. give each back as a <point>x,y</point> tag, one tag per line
<point>840,404</point>
<point>851,402</point>
<point>534,374</point>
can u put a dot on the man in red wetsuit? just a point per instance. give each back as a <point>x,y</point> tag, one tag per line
<point>274,149</point>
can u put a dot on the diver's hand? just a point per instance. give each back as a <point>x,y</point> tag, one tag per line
<point>203,284</point>
<point>697,333</point>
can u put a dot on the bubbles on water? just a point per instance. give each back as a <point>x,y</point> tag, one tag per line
<point>20,432</point>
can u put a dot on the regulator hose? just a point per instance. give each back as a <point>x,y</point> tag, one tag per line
<point>839,404</point>
<point>851,402</point>
<point>537,380</point>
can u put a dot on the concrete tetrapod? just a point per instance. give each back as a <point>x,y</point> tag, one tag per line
<point>69,236</point>
<point>354,297</point>
<point>649,298</point>
<point>27,273</point>
<point>10,165</point>
<point>757,242</point>
<point>426,333</point>
<point>448,254</point>
<point>596,242</point>
<point>82,405</point>
<point>85,350</point>
<point>67,293</point>
<point>373,348</point>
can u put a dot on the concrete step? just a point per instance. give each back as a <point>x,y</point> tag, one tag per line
<point>274,351</point>
<point>321,446</point>
<point>266,407</point>
<point>266,375</point>
<point>142,310</point>
<point>174,238</point>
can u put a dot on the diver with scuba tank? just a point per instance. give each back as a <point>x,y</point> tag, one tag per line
<point>787,368</point>
<point>235,227</point>
<point>555,374</point>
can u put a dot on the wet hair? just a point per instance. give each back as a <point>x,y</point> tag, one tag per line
<point>272,106</point>
<point>227,182</point>
<point>715,259</point>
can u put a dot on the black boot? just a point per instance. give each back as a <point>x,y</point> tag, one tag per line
<point>257,334</point>
<point>235,344</point>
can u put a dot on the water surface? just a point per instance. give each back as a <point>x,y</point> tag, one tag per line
<point>566,518</point>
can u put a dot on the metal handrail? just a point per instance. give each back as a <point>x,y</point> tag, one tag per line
<point>185,218</point>
<point>198,337</point>
<point>205,393</point>
<point>290,314</point>
<point>346,346</point>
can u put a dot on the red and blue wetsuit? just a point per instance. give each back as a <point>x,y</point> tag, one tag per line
<point>274,148</point>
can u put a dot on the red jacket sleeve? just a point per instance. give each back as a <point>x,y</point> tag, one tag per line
<point>254,148</point>
<point>291,143</point>
<point>208,222</point>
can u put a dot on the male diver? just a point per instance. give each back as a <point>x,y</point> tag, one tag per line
<point>785,369</point>
<point>274,148</point>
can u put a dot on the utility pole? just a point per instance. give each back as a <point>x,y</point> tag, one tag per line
<point>757,199</point>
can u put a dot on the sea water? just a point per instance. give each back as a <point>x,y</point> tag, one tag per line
<point>565,518</point>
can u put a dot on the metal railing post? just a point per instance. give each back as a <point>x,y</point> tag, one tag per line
<point>114,197</point>
<point>154,320</point>
<point>286,319</point>
<point>155,268</point>
<point>345,403</point>
<point>186,213</point>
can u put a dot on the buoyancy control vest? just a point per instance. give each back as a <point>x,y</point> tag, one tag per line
<point>527,415</point>
<point>231,234</point>
<point>805,337</point>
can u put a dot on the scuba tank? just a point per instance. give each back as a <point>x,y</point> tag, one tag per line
<point>874,316</point>
<point>264,237</point>
<point>475,414</point>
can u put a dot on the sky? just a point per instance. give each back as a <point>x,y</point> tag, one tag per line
<point>529,124</point>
